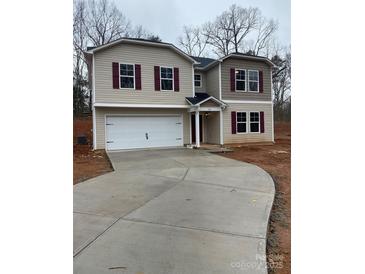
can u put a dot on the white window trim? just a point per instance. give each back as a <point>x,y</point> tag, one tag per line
<point>258,81</point>
<point>241,122</point>
<point>249,120</point>
<point>173,84</point>
<point>200,81</point>
<point>235,80</point>
<point>134,76</point>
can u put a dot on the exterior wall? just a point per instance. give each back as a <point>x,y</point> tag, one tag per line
<point>212,128</point>
<point>209,103</point>
<point>232,62</point>
<point>203,87</point>
<point>101,112</point>
<point>212,76</point>
<point>228,137</point>
<point>148,57</point>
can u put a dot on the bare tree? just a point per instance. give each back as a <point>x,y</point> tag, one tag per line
<point>140,32</point>
<point>79,65</point>
<point>264,37</point>
<point>79,39</point>
<point>243,21</point>
<point>228,31</point>
<point>281,79</point>
<point>193,41</point>
<point>217,37</point>
<point>105,22</point>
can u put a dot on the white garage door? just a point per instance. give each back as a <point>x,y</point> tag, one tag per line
<point>127,132</point>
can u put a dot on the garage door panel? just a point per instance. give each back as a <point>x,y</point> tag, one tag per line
<point>143,132</point>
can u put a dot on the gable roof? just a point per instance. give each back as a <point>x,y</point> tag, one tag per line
<point>201,97</point>
<point>248,57</point>
<point>208,63</point>
<point>92,50</point>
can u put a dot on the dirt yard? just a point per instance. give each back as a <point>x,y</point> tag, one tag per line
<point>275,159</point>
<point>86,162</point>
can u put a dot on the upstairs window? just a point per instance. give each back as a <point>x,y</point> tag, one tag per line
<point>240,80</point>
<point>198,80</point>
<point>253,80</point>
<point>254,122</point>
<point>126,76</point>
<point>166,78</point>
<point>241,122</point>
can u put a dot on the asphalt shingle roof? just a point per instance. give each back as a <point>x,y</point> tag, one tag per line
<point>203,61</point>
<point>199,96</point>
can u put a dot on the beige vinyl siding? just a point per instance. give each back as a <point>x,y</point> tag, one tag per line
<point>209,103</point>
<point>236,63</point>
<point>203,87</point>
<point>228,137</point>
<point>212,128</point>
<point>212,76</point>
<point>101,112</point>
<point>147,57</point>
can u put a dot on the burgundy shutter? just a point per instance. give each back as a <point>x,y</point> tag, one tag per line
<point>233,79</point>
<point>233,122</point>
<point>115,75</point>
<point>137,71</point>
<point>176,79</point>
<point>262,122</point>
<point>157,78</point>
<point>261,82</point>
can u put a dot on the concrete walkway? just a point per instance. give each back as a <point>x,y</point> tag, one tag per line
<point>172,211</point>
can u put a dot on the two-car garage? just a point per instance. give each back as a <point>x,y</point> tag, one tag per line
<point>143,131</point>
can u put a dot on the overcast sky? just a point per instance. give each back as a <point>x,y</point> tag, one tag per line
<point>167,17</point>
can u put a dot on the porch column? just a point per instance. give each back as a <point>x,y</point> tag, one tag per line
<point>221,127</point>
<point>197,129</point>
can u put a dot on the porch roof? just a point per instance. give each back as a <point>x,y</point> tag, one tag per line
<point>201,97</point>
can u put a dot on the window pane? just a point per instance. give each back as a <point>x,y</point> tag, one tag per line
<point>166,72</point>
<point>240,85</point>
<point>166,84</point>
<point>253,75</point>
<point>126,70</point>
<point>254,127</point>
<point>197,83</point>
<point>126,82</point>
<point>197,77</point>
<point>240,75</point>
<point>241,116</point>
<point>241,127</point>
<point>254,116</point>
<point>253,86</point>
<point>163,72</point>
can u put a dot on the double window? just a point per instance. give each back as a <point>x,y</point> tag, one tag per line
<point>247,80</point>
<point>197,80</point>
<point>127,76</point>
<point>167,78</point>
<point>253,122</point>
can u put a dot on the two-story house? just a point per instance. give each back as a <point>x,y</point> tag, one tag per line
<point>151,94</point>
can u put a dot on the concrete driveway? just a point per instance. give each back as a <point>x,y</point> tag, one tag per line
<point>173,211</point>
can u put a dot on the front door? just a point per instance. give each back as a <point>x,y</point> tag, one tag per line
<point>193,128</point>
